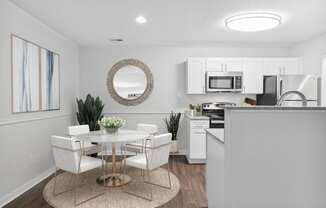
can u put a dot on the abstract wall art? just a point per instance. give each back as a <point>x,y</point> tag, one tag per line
<point>49,80</point>
<point>35,77</point>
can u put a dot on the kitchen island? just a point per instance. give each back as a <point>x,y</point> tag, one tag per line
<point>268,157</point>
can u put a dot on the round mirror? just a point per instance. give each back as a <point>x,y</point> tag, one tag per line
<point>130,82</point>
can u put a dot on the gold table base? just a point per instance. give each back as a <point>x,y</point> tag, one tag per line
<point>113,180</point>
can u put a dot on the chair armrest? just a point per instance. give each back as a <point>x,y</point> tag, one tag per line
<point>134,145</point>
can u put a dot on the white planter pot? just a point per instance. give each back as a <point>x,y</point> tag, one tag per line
<point>174,146</point>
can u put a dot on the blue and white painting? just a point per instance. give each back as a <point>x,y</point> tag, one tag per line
<point>35,77</point>
<point>50,80</point>
<point>25,76</point>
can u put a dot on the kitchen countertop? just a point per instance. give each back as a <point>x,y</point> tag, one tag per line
<point>214,132</point>
<point>196,117</point>
<point>262,107</point>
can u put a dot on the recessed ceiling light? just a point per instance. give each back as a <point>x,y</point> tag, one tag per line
<point>116,39</point>
<point>141,20</point>
<point>253,21</point>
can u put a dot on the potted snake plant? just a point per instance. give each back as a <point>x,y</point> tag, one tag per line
<point>172,125</point>
<point>90,111</point>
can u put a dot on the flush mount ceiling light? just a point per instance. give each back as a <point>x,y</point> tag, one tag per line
<point>253,21</point>
<point>141,20</point>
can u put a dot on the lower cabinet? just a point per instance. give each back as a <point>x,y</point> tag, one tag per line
<point>196,140</point>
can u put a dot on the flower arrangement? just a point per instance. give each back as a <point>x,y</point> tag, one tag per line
<point>111,124</point>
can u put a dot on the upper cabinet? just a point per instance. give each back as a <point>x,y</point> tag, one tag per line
<point>233,64</point>
<point>252,79</point>
<point>253,71</point>
<point>282,66</point>
<point>224,64</point>
<point>196,75</point>
<point>214,64</point>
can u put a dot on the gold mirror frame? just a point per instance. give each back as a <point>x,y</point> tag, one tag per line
<point>149,78</point>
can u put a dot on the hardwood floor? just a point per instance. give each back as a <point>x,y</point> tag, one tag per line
<point>192,179</point>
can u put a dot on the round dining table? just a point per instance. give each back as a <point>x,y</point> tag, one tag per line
<point>103,138</point>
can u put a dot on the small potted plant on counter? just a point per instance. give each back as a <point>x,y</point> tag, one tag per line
<point>198,110</point>
<point>172,125</point>
<point>111,124</point>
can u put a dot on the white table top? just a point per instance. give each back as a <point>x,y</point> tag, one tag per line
<point>123,135</point>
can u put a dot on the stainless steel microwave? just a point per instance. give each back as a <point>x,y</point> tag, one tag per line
<point>224,81</point>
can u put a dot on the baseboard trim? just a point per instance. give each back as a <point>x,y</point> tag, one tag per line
<point>180,152</point>
<point>108,152</point>
<point>195,161</point>
<point>137,113</point>
<point>25,187</point>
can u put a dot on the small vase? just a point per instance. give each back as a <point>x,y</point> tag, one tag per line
<point>111,130</point>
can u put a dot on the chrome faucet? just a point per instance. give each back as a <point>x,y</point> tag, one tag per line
<point>301,95</point>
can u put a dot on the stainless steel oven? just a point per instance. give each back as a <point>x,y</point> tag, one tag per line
<point>224,81</point>
<point>215,112</point>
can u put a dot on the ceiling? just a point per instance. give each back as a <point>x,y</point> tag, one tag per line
<point>175,22</point>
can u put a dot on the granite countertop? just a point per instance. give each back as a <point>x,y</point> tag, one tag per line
<point>196,117</point>
<point>215,133</point>
<point>262,107</point>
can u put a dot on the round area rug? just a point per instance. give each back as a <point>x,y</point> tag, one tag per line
<point>114,197</point>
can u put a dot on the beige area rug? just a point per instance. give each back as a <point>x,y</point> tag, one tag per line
<point>115,197</point>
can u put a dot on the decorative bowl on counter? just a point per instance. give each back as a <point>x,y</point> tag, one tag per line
<point>111,124</point>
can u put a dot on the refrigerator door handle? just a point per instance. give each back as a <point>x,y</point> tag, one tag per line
<point>281,87</point>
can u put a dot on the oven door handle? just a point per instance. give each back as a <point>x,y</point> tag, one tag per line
<point>216,121</point>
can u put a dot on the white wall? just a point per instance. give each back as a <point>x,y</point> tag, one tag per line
<point>168,67</point>
<point>25,150</point>
<point>312,52</point>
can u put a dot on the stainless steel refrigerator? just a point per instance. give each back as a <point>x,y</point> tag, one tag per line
<point>275,86</point>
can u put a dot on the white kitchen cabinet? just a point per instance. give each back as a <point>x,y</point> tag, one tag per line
<point>272,66</point>
<point>253,71</point>
<point>196,140</point>
<point>285,66</point>
<point>233,64</point>
<point>253,76</point>
<point>224,64</point>
<point>196,76</point>
<point>215,64</point>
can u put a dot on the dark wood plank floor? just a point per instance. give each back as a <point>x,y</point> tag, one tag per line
<point>192,179</point>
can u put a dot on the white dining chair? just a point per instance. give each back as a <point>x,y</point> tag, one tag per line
<point>68,157</point>
<point>151,129</point>
<point>156,153</point>
<point>74,131</point>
